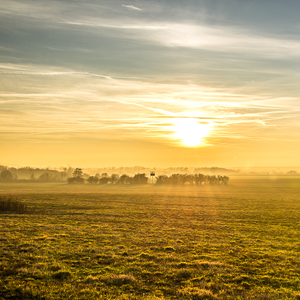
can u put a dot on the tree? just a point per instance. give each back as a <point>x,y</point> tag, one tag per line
<point>6,175</point>
<point>77,172</point>
<point>44,177</point>
<point>173,179</point>
<point>77,177</point>
<point>140,179</point>
<point>162,179</point>
<point>188,179</point>
<point>199,178</point>
<point>104,180</point>
<point>92,180</point>
<point>225,179</point>
<point>114,178</point>
<point>125,179</point>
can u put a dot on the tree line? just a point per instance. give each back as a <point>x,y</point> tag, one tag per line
<point>29,174</point>
<point>191,179</point>
<point>174,179</point>
<point>105,179</point>
<point>76,176</point>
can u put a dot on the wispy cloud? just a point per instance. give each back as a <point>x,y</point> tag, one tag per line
<point>131,7</point>
<point>223,38</point>
<point>219,39</point>
<point>86,74</point>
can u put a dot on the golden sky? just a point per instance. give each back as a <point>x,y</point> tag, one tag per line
<point>151,83</point>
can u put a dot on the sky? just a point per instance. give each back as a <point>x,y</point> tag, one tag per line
<point>200,83</point>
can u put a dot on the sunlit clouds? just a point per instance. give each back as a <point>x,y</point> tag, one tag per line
<point>125,108</point>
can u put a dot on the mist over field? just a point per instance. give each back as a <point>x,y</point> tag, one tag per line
<point>235,241</point>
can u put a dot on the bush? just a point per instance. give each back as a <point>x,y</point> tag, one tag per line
<point>75,180</point>
<point>10,204</point>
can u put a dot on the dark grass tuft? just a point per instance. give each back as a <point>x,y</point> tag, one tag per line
<point>119,280</point>
<point>62,275</point>
<point>196,294</point>
<point>169,249</point>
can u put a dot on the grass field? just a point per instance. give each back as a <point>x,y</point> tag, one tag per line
<point>240,241</point>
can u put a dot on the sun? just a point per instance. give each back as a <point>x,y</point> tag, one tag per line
<point>190,132</point>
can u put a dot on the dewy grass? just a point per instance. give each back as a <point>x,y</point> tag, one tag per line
<point>235,242</point>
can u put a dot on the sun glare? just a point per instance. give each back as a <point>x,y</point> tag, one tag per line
<point>190,132</point>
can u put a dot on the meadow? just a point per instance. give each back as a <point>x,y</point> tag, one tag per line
<point>240,241</point>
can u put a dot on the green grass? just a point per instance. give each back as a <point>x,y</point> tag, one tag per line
<point>240,241</point>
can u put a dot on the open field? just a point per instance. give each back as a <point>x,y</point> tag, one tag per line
<point>240,241</point>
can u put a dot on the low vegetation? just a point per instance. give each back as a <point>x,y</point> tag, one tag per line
<point>10,204</point>
<point>239,241</point>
